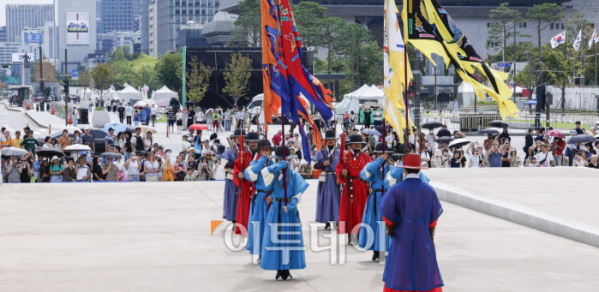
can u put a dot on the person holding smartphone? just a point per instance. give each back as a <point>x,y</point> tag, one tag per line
<point>495,155</point>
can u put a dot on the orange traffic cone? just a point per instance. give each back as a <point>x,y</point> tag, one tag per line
<point>52,111</point>
<point>28,107</point>
<point>70,120</point>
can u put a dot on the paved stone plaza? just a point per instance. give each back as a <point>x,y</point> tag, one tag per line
<point>156,237</point>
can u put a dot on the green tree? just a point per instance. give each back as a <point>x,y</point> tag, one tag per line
<point>308,17</point>
<point>197,81</point>
<point>330,32</point>
<point>547,13</point>
<point>168,71</point>
<point>371,61</point>
<point>237,75</point>
<point>248,28</point>
<point>349,44</point>
<point>85,80</point>
<point>102,76</point>
<point>503,31</point>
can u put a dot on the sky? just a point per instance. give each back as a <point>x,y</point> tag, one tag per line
<point>4,2</point>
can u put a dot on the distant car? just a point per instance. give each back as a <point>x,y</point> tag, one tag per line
<point>97,133</point>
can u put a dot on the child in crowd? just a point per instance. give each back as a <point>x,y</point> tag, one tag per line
<point>190,175</point>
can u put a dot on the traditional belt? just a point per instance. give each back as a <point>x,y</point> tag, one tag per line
<point>377,190</point>
<point>326,172</point>
<point>262,191</point>
<point>283,200</point>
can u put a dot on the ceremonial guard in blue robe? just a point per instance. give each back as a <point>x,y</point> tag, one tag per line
<point>231,190</point>
<point>328,196</point>
<point>258,203</point>
<point>283,221</point>
<point>396,175</point>
<point>374,173</point>
<point>411,210</point>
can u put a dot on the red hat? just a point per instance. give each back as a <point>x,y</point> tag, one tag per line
<point>412,161</point>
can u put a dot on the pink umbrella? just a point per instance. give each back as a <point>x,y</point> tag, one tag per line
<point>161,103</point>
<point>555,133</point>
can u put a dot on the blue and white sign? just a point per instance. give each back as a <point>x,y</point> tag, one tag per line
<point>506,65</point>
<point>31,37</point>
<point>75,73</point>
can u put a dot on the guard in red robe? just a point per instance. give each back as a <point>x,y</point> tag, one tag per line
<point>243,205</point>
<point>348,170</point>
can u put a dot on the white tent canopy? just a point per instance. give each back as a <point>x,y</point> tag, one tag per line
<point>351,101</point>
<point>357,92</point>
<point>129,93</point>
<point>164,94</point>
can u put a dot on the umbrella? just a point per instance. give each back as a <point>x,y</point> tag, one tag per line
<point>110,155</point>
<point>199,127</point>
<point>72,129</point>
<point>77,147</point>
<point>555,133</point>
<point>118,127</point>
<point>579,139</point>
<point>488,131</point>
<point>14,151</point>
<point>161,103</point>
<point>49,152</point>
<point>497,123</point>
<point>209,111</point>
<point>431,125</point>
<point>444,139</point>
<point>459,143</point>
<point>371,132</point>
<point>145,129</point>
<point>140,105</point>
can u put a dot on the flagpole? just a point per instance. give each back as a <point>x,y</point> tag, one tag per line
<point>285,170</point>
<point>407,105</point>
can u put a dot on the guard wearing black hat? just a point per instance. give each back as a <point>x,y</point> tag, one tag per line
<point>228,159</point>
<point>328,196</point>
<point>243,162</point>
<point>374,173</point>
<point>260,199</point>
<point>283,216</point>
<point>354,199</point>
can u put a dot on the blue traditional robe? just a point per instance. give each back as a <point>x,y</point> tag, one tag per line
<point>328,196</point>
<point>412,206</point>
<point>396,175</point>
<point>373,173</point>
<point>287,253</point>
<point>231,190</point>
<point>258,205</point>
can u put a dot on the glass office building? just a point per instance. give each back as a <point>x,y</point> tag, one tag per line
<point>172,14</point>
<point>120,15</point>
<point>21,16</point>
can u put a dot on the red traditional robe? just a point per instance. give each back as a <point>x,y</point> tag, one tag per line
<point>359,189</point>
<point>243,205</point>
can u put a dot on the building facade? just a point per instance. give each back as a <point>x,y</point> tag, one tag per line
<point>120,15</point>
<point>172,14</point>
<point>21,16</point>
<point>152,30</point>
<point>191,35</point>
<point>2,34</point>
<point>77,31</point>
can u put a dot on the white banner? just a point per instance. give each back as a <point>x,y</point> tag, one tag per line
<point>77,24</point>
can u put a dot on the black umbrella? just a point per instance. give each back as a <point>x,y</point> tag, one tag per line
<point>497,124</point>
<point>130,129</point>
<point>110,155</point>
<point>431,125</point>
<point>579,139</point>
<point>444,139</point>
<point>49,152</point>
<point>488,131</point>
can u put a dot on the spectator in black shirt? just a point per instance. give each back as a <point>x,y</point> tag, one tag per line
<point>578,129</point>
<point>443,132</point>
<point>121,111</point>
<point>504,136</point>
<point>540,136</point>
<point>527,142</point>
<point>170,116</point>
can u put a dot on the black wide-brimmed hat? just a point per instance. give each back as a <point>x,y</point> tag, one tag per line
<point>355,139</point>
<point>238,133</point>
<point>251,137</point>
<point>264,143</point>
<point>330,134</point>
<point>379,149</point>
<point>279,153</point>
